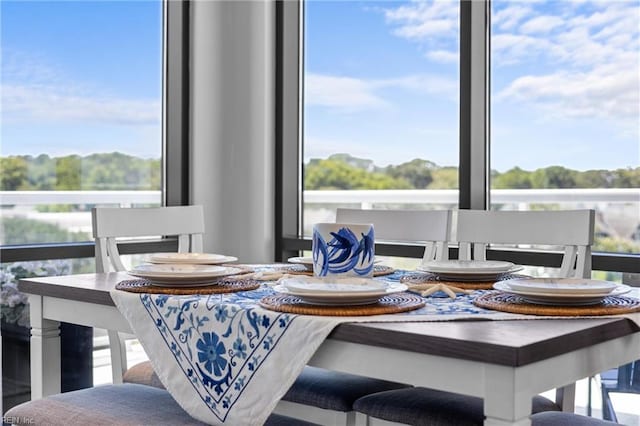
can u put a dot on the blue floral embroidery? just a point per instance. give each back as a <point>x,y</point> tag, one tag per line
<point>344,252</point>
<point>240,348</point>
<point>221,313</point>
<point>219,342</point>
<point>211,351</point>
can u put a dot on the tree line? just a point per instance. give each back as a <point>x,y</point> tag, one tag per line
<point>107,171</point>
<point>342,171</point>
<point>117,171</point>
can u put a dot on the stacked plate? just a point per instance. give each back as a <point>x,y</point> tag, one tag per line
<point>174,274</point>
<point>338,291</point>
<point>469,270</point>
<point>307,261</point>
<point>190,258</point>
<point>561,291</point>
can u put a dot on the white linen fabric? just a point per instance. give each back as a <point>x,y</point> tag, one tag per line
<point>223,362</point>
<point>227,361</point>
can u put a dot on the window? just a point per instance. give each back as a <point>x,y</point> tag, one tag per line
<point>380,105</point>
<point>513,115</point>
<point>81,111</point>
<point>82,125</point>
<point>565,112</point>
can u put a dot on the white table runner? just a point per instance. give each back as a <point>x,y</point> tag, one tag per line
<point>228,361</point>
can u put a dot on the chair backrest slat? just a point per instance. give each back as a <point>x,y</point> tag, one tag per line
<point>431,227</point>
<point>110,225</point>
<point>570,229</point>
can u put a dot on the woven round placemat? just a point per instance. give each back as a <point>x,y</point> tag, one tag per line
<point>378,271</point>
<point>428,277</point>
<point>391,304</point>
<point>221,285</point>
<point>506,302</point>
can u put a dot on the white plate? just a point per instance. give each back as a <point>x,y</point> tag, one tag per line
<point>320,286</point>
<point>343,298</point>
<point>470,277</point>
<point>182,274</point>
<point>562,285</point>
<point>468,267</point>
<point>561,299</point>
<point>191,258</point>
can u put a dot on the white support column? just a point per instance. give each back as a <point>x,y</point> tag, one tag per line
<point>45,352</point>
<point>232,125</point>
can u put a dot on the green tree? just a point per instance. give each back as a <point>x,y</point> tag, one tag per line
<point>15,173</point>
<point>332,174</point>
<point>615,245</point>
<point>515,178</point>
<point>444,178</point>
<point>595,179</point>
<point>20,230</point>
<point>627,178</point>
<point>417,172</point>
<point>554,177</point>
<point>68,173</point>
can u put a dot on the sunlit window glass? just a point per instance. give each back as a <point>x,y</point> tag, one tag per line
<point>81,114</point>
<point>380,105</point>
<point>565,105</point>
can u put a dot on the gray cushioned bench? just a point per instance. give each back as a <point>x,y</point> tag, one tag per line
<point>115,405</point>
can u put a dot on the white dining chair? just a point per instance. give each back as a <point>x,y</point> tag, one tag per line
<point>113,226</point>
<point>570,232</point>
<point>429,227</point>
<point>327,397</point>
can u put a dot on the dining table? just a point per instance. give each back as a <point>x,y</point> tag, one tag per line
<point>506,359</point>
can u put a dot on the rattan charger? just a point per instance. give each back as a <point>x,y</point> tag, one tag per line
<point>507,302</point>
<point>219,286</point>
<point>415,278</point>
<point>389,304</point>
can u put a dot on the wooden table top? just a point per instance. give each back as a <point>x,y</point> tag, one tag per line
<point>511,342</point>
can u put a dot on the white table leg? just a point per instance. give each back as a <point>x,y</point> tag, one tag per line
<point>566,397</point>
<point>45,352</point>
<point>502,404</point>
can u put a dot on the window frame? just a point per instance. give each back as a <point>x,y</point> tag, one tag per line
<point>474,131</point>
<point>175,144</point>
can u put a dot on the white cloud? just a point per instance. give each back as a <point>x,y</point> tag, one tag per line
<point>443,56</point>
<point>344,93</point>
<point>349,94</point>
<point>425,20</point>
<point>541,24</point>
<point>509,17</point>
<point>598,94</point>
<point>33,89</point>
<point>584,64</point>
<point>424,83</point>
<point>45,103</point>
<point>507,49</point>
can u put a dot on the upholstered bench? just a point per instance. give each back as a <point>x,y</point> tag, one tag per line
<point>429,407</point>
<point>558,418</point>
<point>143,373</point>
<point>114,405</point>
<point>315,386</point>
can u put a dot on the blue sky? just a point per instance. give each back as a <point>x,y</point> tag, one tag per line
<point>80,77</point>
<point>565,82</point>
<point>381,80</point>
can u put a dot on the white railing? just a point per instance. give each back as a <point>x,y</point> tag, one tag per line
<point>619,209</point>
<point>450,197</point>
<point>363,197</point>
<point>38,198</point>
